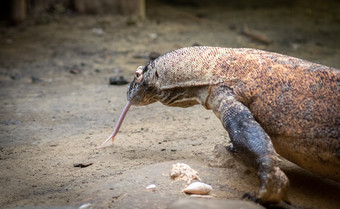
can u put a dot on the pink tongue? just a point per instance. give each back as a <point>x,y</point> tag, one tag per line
<point>119,123</point>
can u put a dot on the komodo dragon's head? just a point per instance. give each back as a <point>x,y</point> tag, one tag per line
<point>142,90</point>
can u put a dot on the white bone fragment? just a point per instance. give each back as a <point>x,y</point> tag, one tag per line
<point>151,187</point>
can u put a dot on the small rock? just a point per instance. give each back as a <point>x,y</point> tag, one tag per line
<point>75,71</point>
<point>153,36</point>
<point>36,79</point>
<point>15,76</point>
<point>98,31</point>
<point>154,55</point>
<point>118,80</point>
<point>295,46</point>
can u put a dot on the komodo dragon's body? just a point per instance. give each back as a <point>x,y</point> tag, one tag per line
<point>264,100</point>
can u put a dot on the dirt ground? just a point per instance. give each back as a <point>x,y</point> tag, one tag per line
<point>57,106</point>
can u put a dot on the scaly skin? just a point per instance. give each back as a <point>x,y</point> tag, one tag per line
<point>266,101</point>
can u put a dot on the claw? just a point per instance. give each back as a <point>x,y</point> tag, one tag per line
<point>119,123</point>
<point>231,148</point>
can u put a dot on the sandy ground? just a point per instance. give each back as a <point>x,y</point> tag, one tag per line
<point>57,106</point>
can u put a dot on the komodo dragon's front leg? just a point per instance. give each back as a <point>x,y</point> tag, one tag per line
<point>251,141</point>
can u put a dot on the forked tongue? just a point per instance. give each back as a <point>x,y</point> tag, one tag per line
<point>119,123</point>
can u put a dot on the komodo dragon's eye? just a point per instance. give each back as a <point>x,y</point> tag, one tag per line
<point>139,74</point>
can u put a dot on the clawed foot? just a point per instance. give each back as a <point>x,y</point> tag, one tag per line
<point>273,189</point>
<point>274,185</point>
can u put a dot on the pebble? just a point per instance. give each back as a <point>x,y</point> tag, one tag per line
<point>15,76</point>
<point>75,71</point>
<point>154,55</point>
<point>36,79</point>
<point>153,36</point>
<point>117,80</point>
<point>97,31</point>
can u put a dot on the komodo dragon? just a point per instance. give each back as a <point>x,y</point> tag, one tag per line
<point>266,101</point>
